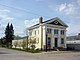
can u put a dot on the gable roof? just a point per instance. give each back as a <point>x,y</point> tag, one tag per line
<point>51,20</point>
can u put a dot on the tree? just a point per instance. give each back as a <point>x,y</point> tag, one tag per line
<point>2,41</point>
<point>33,42</point>
<point>9,34</point>
<point>26,31</point>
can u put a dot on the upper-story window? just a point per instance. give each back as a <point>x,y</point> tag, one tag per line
<point>35,32</point>
<point>48,30</point>
<point>30,32</point>
<point>38,31</point>
<point>62,32</point>
<point>55,31</point>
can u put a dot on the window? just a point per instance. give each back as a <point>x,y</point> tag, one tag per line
<point>49,30</point>
<point>49,40</point>
<point>35,32</point>
<point>55,31</point>
<point>38,31</point>
<point>62,32</point>
<point>62,40</point>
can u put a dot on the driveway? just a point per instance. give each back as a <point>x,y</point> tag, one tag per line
<point>7,54</point>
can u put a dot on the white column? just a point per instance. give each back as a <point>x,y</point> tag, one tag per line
<point>65,39</point>
<point>44,36</point>
<point>52,38</point>
<point>59,39</point>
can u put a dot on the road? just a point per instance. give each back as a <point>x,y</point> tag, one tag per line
<point>8,54</point>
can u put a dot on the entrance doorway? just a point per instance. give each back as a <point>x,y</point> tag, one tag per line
<point>56,42</point>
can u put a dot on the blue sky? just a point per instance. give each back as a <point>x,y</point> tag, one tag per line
<point>24,13</point>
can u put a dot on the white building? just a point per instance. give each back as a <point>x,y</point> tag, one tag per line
<point>52,31</point>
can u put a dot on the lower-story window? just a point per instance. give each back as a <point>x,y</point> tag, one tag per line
<point>49,40</point>
<point>62,40</point>
<point>49,43</point>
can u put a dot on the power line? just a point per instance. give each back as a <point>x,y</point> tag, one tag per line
<point>23,10</point>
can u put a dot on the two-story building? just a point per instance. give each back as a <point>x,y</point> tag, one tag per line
<point>50,33</point>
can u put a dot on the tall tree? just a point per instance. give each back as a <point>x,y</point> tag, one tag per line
<point>9,33</point>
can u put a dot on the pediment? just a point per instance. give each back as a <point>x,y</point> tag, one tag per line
<point>56,23</point>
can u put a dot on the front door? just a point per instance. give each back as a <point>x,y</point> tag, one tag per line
<point>56,42</point>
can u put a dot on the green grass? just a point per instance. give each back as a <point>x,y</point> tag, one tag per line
<point>27,50</point>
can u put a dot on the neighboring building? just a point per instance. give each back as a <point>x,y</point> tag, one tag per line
<point>52,31</point>
<point>18,42</point>
<point>73,42</point>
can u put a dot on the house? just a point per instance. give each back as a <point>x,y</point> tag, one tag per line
<point>48,34</point>
<point>73,42</point>
<point>19,42</point>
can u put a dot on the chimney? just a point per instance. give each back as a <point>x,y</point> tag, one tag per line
<point>41,32</point>
<point>40,20</point>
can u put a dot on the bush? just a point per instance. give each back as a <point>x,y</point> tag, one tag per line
<point>34,51</point>
<point>27,50</point>
<point>33,47</point>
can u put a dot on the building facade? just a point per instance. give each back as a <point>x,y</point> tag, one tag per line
<point>48,34</point>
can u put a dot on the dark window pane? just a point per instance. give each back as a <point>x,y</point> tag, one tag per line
<point>55,31</point>
<point>49,40</point>
<point>62,40</point>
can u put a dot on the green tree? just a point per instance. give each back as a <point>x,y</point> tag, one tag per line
<point>2,41</point>
<point>9,34</point>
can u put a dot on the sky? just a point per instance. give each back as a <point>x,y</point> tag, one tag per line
<point>25,13</point>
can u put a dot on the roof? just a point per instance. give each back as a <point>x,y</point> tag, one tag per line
<point>53,19</point>
<point>73,42</point>
<point>76,37</point>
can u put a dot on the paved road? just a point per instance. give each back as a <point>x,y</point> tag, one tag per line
<point>7,54</point>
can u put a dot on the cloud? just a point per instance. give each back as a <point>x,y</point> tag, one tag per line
<point>67,9</point>
<point>71,10</point>
<point>5,10</point>
<point>32,22</point>
<point>4,15</point>
<point>73,29</point>
<point>2,29</point>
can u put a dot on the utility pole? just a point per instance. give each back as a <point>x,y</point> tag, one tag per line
<point>46,41</point>
<point>27,43</point>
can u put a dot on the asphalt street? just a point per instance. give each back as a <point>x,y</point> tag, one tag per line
<point>8,54</point>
